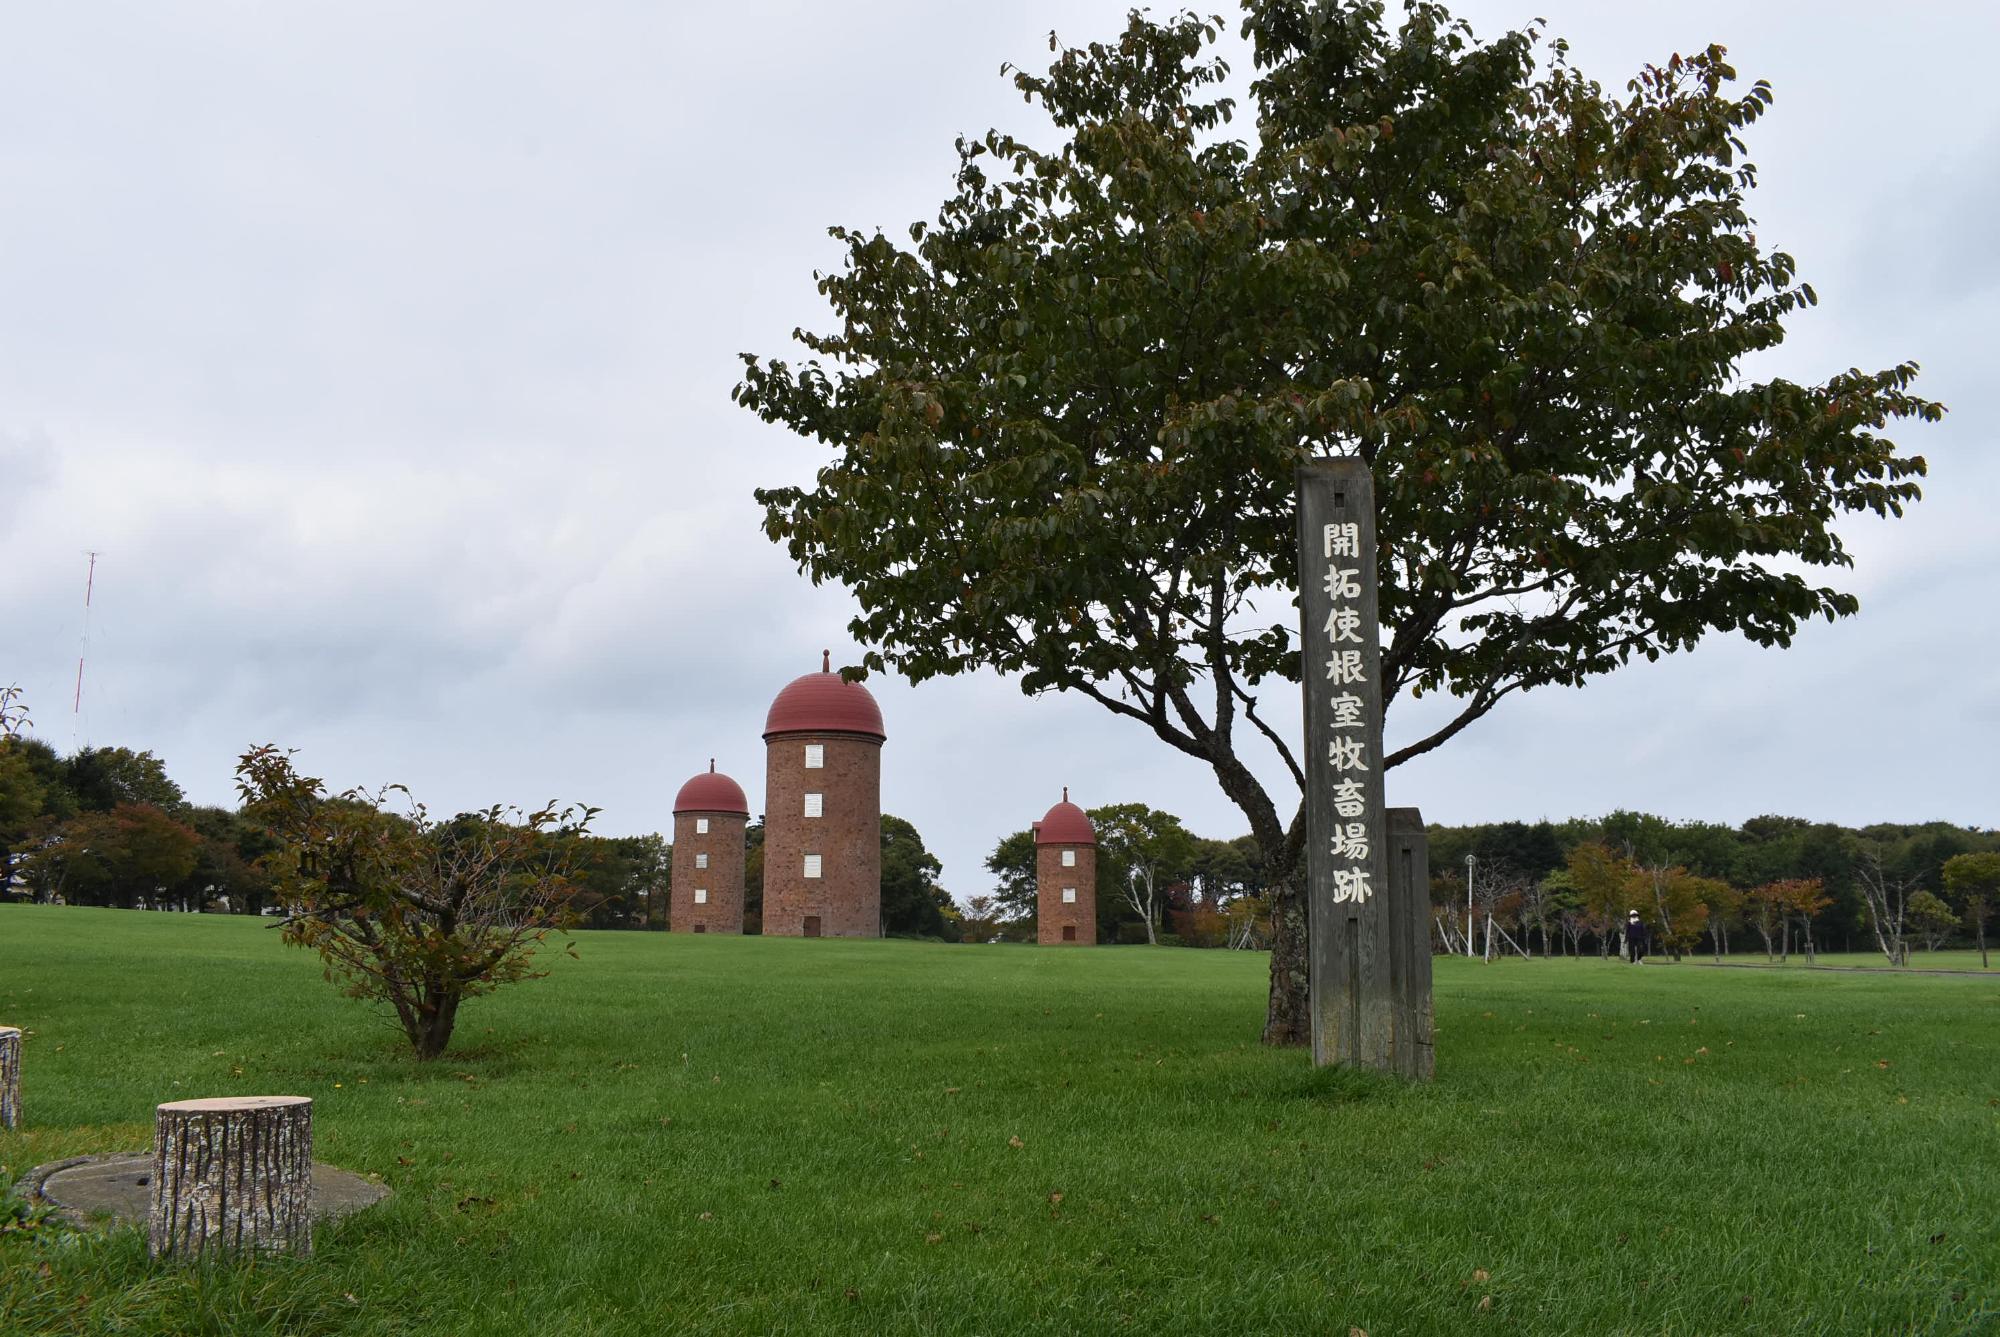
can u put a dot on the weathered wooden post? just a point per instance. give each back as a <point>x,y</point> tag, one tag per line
<point>1369,957</point>
<point>232,1175</point>
<point>1410,942</point>
<point>10,1077</point>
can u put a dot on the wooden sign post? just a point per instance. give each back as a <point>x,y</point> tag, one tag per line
<point>1369,958</point>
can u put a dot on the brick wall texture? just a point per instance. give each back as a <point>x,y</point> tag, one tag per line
<point>722,879</point>
<point>846,898</point>
<point>1052,917</point>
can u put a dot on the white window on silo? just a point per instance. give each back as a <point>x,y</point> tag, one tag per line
<point>812,865</point>
<point>1069,895</point>
<point>701,896</point>
<point>815,756</point>
<point>701,826</point>
<point>701,861</point>
<point>814,803</point>
<point>1069,858</point>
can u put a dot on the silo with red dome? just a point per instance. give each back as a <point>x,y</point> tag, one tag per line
<point>823,809</point>
<point>1065,876</point>
<point>710,814</point>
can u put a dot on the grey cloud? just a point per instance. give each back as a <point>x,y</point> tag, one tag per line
<point>386,351</point>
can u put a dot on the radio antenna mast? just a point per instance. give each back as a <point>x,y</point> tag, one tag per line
<point>83,651</point>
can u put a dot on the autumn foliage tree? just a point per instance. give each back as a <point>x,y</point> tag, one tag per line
<point>1773,907</point>
<point>405,910</point>
<point>1606,884</point>
<point>131,852</point>
<point>1064,416</point>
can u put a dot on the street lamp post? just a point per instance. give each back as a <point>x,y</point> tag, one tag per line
<point>1470,861</point>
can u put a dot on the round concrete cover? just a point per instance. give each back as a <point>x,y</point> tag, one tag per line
<point>121,1187</point>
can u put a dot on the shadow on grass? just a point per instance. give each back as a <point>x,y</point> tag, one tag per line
<point>1345,1086</point>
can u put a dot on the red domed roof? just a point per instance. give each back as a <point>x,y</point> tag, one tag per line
<point>824,702</point>
<point>711,792</point>
<point>1066,824</point>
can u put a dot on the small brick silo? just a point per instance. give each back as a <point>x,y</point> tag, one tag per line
<point>710,814</point>
<point>1065,876</point>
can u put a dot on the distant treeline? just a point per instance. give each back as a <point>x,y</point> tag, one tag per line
<point>1552,880</point>
<point>106,826</point>
<point>1550,886</point>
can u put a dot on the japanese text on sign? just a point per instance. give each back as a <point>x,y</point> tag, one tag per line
<point>1347,753</point>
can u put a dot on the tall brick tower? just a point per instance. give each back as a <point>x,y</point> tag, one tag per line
<point>823,809</point>
<point>1065,876</point>
<point>709,816</point>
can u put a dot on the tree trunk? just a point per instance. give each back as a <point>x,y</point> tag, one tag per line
<point>433,1031</point>
<point>1288,1019</point>
<point>232,1176</point>
<point>10,1077</point>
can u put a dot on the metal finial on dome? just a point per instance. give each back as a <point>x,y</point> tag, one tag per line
<point>711,765</point>
<point>826,661</point>
<point>1065,793</point>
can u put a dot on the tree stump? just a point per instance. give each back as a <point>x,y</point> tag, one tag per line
<point>10,1077</point>
<point>232,1176</point>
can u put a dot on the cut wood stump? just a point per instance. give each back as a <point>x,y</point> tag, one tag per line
<point>10,1077</point>
<point>232,1176</point>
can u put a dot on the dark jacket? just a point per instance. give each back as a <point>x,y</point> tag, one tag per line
<point>1637,936</point>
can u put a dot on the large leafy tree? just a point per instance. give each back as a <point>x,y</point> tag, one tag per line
<point>1065,415</point>
<point>132,853</point>
<point>1973,879</point>
<point>1012,864</point>
<point>1140,852</point>
<point>913,902</point>
<point>104,777</point>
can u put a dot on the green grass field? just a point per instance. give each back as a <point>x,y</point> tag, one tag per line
<point>762,1135</point>
<point>1945,958</point>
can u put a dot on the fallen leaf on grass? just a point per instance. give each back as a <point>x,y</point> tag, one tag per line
<point>1016,1142</point>
<point>932,1237</point>
<point>1485,1302</point>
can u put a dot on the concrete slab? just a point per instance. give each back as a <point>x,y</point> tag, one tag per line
<point>84,1189</point>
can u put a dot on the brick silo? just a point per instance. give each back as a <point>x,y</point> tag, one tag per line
<point>709,816</point>
<point>823,810</point>
<point>1065,876</point>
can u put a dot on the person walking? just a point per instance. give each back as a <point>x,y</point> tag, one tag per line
<point>1635,937</point>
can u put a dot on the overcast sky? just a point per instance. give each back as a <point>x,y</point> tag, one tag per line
<point>384,352</point>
